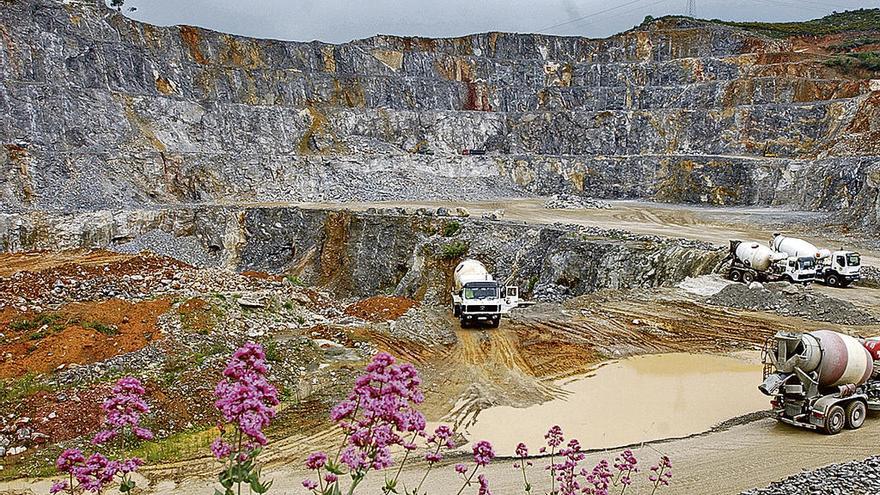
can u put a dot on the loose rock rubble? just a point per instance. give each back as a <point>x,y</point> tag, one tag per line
<point>572,202</point>
<point>791,300</point>
<point>850,478</point>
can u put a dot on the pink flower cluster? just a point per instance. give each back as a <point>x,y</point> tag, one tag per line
<point>661,473</point>
<point>244,397</point>
<point>573,478</point>
<point>379,410</point>
<point>92,474</point>
<point>124,409</point>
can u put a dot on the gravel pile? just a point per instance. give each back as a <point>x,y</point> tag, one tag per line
<point>428,325</point>
<point>791,300</point>
<point>850,478</point>
<point>572,202</point>
<point>188,249</point>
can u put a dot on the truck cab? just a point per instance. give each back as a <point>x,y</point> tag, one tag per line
<point>841,268</point>
<point>479,303</point>
<point>798,269</point>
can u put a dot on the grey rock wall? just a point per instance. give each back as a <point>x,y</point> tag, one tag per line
<point>102,111</point>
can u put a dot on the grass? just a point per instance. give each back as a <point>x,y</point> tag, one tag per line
<point>451,228</point>
<point>454,250</point>
<point>838,22</point>
<point>177,447</point>
<point>18,388</point>
<point>295,281</point>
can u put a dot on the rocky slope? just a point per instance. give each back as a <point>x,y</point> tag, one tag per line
<point>365,253</point>
<point>104,112</point>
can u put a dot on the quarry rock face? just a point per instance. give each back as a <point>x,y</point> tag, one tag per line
<point>102,111</point>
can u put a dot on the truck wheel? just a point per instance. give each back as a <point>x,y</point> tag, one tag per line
<point>832,280</point>
<point>495,323</point>
<point>748,277</point>
<point>464,323</point>
<point>835,420</point>
<point>855,414</point>
<point>456,310</point>
<point>735,275</point>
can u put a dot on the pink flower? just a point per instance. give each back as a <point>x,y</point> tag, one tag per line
<point>220,449</point>
<point>483,453</point>
<point>69,459</point>
<point>433,457</point>
<point>245,398</point>
<point>58,487</point>
<point>522,450</point>
<point>310,484</point>
<point>484,485</point>
<point>316,460</point>
<point>554,436</point>
<point>330,478</point>
<point>460,468</point>
<point>142,433</point>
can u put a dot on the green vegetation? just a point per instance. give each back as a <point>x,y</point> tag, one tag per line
<point>451,228</point>
<point>52,321</point>
<point>109,330</point>
<point>856,61</point>
<point>454,250</point>
<point>295,281</point>
<point>46,324</point>
<point>838,22</point>
<point>18,388</point>
<point>177,447</point>
<point>855,43</point>
<point>274,354</point>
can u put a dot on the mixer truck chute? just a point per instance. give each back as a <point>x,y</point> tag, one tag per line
<point>752,261</point>
<point>821,380</point>
<point>838,268</point>
<point>477,298</point>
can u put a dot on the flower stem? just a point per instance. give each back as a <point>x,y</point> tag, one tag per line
<point>522,465</point>
<point>405,457</point>
<point>467,482</point>
<point>425,476</point>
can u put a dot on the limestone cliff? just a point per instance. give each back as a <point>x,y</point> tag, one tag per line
<point>101,111</point>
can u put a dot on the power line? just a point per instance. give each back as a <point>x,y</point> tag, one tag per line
<point>594,14</point>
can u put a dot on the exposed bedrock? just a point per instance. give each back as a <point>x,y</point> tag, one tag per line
<point>101,111</point>
<point>357,254</point>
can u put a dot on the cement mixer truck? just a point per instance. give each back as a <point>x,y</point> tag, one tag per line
<point>477,299</point>
<point>837,269</point>
<point>821,380</point>
<point>752,261</point>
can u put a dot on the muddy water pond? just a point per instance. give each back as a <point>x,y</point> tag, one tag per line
<point>633,400</point>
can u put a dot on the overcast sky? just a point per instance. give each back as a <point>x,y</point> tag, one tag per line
<point>343,20</point>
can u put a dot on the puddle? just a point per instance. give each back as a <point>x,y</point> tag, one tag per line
<point>633,400</point>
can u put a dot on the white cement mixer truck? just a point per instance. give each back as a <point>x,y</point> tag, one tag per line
<point>838,268</point>
<point>477,299</point>
<point>752,261</point>
<point>821,380</point>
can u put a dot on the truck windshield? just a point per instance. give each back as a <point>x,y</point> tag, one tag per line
<point>852,259</point>
<point>807,263</point>
<point>480,292</point>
